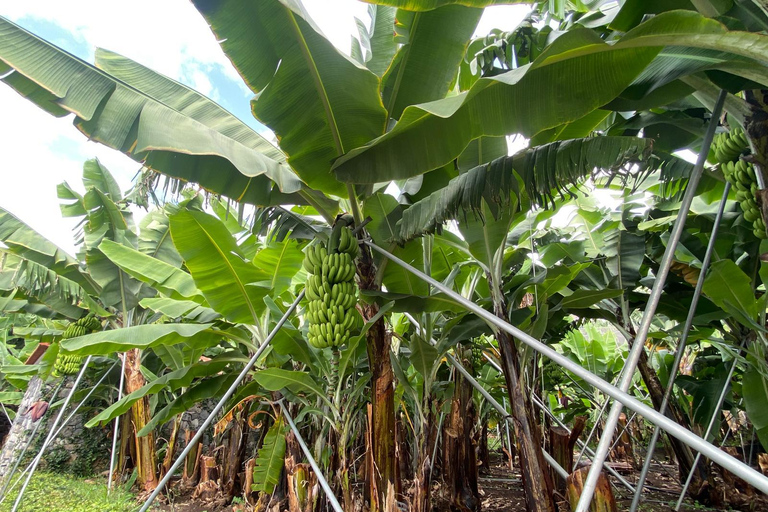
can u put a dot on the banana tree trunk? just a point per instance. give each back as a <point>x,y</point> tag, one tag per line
<point>536,481</point>
<point>383,482</point>
<point>422,478</point>
<point>22,428</point>
<point>146,457</point>
<point>232,456</point>
<point>460,463</point>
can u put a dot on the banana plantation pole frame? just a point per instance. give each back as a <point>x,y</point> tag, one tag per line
<point>320,478</point>
<point>51,435</point>
<point>9,478</point>
<point>117,425</point>
<point>715,414</point>
<point>686,436</point>
<point>193,442</point>
<point>681,346</point>
<point>582,444</point>
<point>494,403</point>
<point>638,346</point>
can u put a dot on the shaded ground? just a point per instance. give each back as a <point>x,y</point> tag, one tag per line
<point>501,490</point>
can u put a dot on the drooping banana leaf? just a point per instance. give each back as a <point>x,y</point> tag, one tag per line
<point>177,379</point>
<point>28,243</point>
<point>540,172</point>
<point>182,134</point>
<point>140,336</point>
<point>46,286</point>
<point>167,279</point>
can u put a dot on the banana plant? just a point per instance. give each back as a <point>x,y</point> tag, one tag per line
<point>335,117</point>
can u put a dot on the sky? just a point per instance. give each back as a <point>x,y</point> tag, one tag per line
<point>40,151</point>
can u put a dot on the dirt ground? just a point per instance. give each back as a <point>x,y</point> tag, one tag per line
<point>501,490</point>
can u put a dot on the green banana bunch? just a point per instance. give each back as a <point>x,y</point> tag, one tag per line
<point>69,364</point>
<point>729,145</point>
<point>331,290</point>
<point>477,355</point>
<point>741,175</point>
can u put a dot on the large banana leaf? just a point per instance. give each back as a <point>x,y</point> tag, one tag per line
<point>208,388</point>
<point>171,381</point>
<point>540,171</point>
<point>232,286</point>
<point>559,87</point>
<point>426,65</point>
<point>24,241</point>
<point>167,279</point>
<point>282,261</point>
<point>180,134</point>
<point>155,236</point>
<point>186,309</point>
<point>379,40</point>
<point>318,101</point>
<point>140,336</point>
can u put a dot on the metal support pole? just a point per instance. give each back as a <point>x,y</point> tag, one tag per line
<point>193,442</point>
<point>681,346</point>
<point>320,478</point>
<point>650,310</point>
<point>117,425</point>
<point>437,442</point>
<point>509,437</point>
<point>51,434</point>
<point>591,433</point>
<point>730,463</point>
<point>712,421</point>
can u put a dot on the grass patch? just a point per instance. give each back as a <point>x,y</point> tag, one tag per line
<point>49,492</point>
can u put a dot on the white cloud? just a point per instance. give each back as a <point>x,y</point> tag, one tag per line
<point>39,152</point>
<point>168,36</point>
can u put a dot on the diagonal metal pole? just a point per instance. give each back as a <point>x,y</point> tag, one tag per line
<point>320,478</point>
<point>715,415</point>
<point>509,437</point>
<point>51,434</point>
<point>681,346</point>
<point>437,442</point>
<point>117,425</point>
<point>193,442</point>
<point>686,436</point>
<point>650,310</point>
